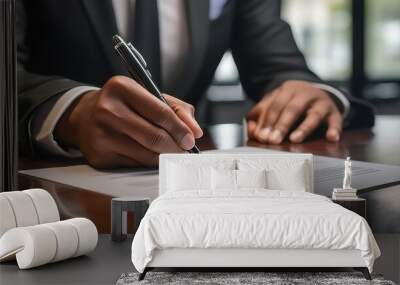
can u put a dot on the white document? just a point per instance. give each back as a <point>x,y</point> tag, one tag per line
<point>115,183</point>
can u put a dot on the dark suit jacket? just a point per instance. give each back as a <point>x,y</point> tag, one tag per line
<point>64,44</point>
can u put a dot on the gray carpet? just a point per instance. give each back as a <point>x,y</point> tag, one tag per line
<point>232,278</point>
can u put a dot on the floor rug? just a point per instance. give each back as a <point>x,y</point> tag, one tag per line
<point>244,278</point>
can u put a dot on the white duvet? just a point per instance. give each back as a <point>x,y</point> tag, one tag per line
<point>250,219</point>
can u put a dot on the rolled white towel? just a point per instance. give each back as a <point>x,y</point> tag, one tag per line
<point>45,205</point>
<point>26,208</point>
<point>33,246</point>
<point>7,218</point>
<point>87,235</point>
<point>67,240</point>
<point>23,208</point>
<point>40,244</point>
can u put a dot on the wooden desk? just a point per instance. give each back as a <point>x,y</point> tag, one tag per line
<point>381,145</point>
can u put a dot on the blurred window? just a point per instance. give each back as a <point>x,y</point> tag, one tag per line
<point>383,39</point>
<point>322,29</point>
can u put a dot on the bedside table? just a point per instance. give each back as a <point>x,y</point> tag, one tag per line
<point>119,210</point>
<point>358,206</point>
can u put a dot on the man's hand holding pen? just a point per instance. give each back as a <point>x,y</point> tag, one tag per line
<point>122,125</point>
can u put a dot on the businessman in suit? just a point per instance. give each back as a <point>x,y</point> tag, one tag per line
<point>75,97</point>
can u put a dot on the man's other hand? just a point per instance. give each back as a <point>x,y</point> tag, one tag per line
<point>277,115</point>
<point>123,125</point>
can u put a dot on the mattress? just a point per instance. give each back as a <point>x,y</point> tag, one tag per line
<point>250,219</point>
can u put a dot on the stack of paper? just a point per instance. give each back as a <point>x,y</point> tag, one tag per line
<point>344,194</point>
<point>8,97</point>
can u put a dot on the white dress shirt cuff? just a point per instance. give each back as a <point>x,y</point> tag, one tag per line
<point>339,95</point>
<point>45,137</point>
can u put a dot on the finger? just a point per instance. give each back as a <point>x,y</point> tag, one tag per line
<point>281,99</point>
<point>131,150</point>
<point>313,119</point>
<point>139,129</point>
<point>186,113</point>
<point>150,136</point>
<point>335,122</point>
<point>264,106</point>
<point>153,110</point>
<point>288,117</point>
<point>255,112</point>
<point>114,149</point>
<point>251,127</point>
<point>101,153</point>
<point>261,131</point>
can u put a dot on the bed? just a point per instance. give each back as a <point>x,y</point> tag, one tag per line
<point>246,211</point>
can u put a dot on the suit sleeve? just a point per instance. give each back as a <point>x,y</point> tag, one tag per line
<point>33,89</point>
<point>267,55</point>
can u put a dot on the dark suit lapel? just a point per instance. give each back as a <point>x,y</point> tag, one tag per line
<point>198,27</point>
<point>102,18</point>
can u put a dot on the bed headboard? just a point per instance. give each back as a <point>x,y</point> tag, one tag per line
<point>283,165</point>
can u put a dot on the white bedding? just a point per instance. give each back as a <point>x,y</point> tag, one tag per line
<point>250,219</point>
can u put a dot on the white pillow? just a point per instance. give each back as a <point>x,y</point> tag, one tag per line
<point>230,180</point>
<point>188,177</point>
<point>288,176</point>
<point>282,174</point>
<point>223,179</point>
<point>187,174</point>
<point>251,178</point>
